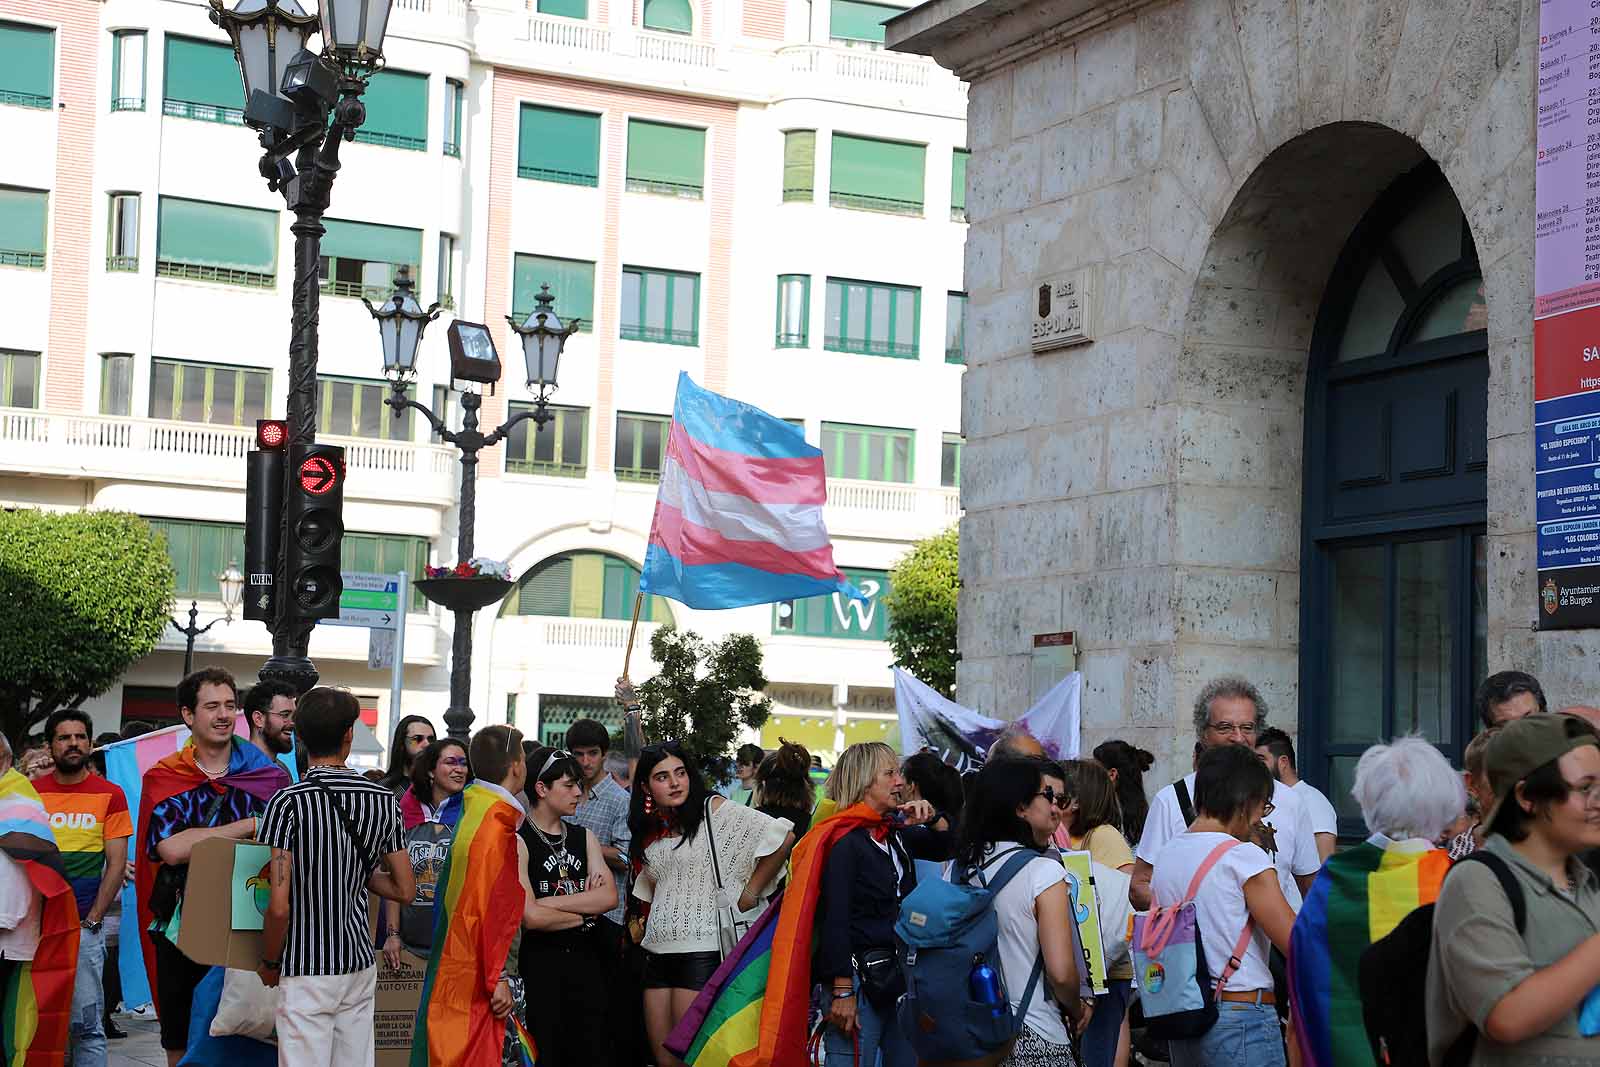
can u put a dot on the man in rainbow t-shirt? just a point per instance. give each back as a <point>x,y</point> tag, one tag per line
<point>90,818</point>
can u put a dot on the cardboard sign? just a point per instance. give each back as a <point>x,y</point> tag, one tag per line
<point>399,994</point>
<point>207,934</point>
<point>252,886</point>
<point>1086,913</point>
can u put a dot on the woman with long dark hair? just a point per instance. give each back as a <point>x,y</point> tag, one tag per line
<point>675,823</point>
<point>1090,824</point>
<point>412,735</point>
<point>429,810</point>
<point>783,786</point>
<point>1126,765</point>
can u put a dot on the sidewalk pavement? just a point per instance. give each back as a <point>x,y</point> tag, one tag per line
<point>142,1046</point>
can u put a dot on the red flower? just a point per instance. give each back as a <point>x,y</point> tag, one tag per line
<point>465,570</point>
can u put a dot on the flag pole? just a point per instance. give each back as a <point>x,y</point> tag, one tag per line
<point>638,599</point>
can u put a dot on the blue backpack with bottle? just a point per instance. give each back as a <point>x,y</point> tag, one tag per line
<point>955,1008</point>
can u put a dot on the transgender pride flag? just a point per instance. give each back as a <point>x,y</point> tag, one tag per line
<point>739,515</point>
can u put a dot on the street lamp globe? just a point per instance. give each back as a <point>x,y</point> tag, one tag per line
<point>543,336</point>
<point>352,31</point>
<point>266,34</point>
<point>231,583</point>
<point>401,321</point>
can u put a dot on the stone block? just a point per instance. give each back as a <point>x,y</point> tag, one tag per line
<point>1158,56</point>
<point>1131,528</point>
<point>1426,36</point>
<point>1501,219</point>
<point>1089,228</point>
<point>977,548</point>
<point>1107,65</point>
<point>1267,378</point>
<point>989,111</point>
<point>1324,49</point>
<point>1268,36</point>
<point>998,325</point>
<point>1003,180</point>
<point>974,680</point>
<point>1049,537</point>
<point>1150,691</point>
<point>1512,560</point>
<point>1093,380</point>
<point>1228,607</point>
<point>1236,446</point>
<point>1217,72</point>
<point>1566,666</point>
<point>1011,690</point>
<point>1498,134</point>
<point>1043,91</point>
<point>1511,483</point>
<point>1488,36</point>
<point>1275,672</point>
<point>1223,314</point>
<point>1078,155</point>
<point>1297,319</point>
<point>1014,400</point>
<point>996,471</point>
<point>1121,607</point>
<point>1508,288</point>
<point>1138,133</point>
<point>1068,459</point>
<point>1288,624</point>
<point>1105,688</point>
<point>1191,153</point>
<point>1156,363</point>
<point>983,257</point>
<point>1141,449</point>
<point>1243,528</point>
<point>1510,387</point>
<point>1142,289</point>
<point>1375,28</point>
<point>1178,229</point>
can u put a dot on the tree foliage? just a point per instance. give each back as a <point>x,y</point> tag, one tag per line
<point>704,694</point>
<point>83,596</point>
<point>923,588</point>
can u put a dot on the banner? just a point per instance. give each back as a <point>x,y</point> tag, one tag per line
<point>1086,913</point>
<point>962,737</point>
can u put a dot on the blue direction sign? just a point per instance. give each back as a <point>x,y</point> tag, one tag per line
<point>370,600</point>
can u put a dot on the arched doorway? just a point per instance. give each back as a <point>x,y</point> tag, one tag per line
<point>1393,575</point>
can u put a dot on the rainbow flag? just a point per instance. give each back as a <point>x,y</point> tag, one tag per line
<point>1360,895</point>
<point>753,1012</point>
<point>36,1001</point>
<point>528,1054</point>
<point>474,920</point>
<point>738,517</point>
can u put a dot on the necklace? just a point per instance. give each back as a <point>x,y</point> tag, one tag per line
<point>207,771</point>
<point>557,847</point>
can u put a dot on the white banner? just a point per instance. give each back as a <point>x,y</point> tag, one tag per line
<point>963,736</point>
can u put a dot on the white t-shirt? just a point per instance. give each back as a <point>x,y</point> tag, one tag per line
<point>1219,904</point>
<point>1297,844</point>
<point>21,907</point>
<point>1019,939</point>
<point>1319,810</point>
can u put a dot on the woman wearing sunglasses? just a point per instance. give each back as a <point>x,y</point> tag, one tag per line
<point>673,820</point>
<point>429,809</point>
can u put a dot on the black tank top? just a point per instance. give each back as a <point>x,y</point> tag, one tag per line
<point>557,869</point>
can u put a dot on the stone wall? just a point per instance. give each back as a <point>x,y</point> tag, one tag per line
<point>1209,160</point>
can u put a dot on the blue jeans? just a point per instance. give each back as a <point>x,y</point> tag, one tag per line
<point>879,1037</point>
<point>1246,1035</point>
<point>86,1035</point>
<point>1100,1040</point>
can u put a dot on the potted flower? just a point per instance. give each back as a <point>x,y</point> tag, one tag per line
<point>469,585</point>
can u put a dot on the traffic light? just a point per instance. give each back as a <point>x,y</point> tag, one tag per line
<point>314,507</point>
<point>263,518</point>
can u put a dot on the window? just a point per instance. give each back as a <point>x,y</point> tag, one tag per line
<point>794,310</point>
<point>122,242</point>
<point>641,445</point>
<point>958,185</point>
<point>447,271</point>
<point>217,243</point>
<point>354,407</point>
<point>661,306</point>
<point>116,383</point>
<point>560,446</point>
<point>446,405</point>
<point>571,283</point>
<point>204,392</point>
<point>868,453</point>
<point>950,461</point>
<point>583,585</point>
<point>837,615</point>
<point>572,9</point>
<point>27,65</point>
<point>854,20</point>
<point>554,145</point>
<point>19,379</point>
<point>453,93</point>
<point>199,552</point>
<point>127,70</point>
<point>202,82</point>
<point>872,175</point>
<point>871,319</point>
<point>674,16</point>
<point>378,554</point>
<point>22,227</point>
<point>799,164</point>
<point>360,258</point>
<point>955,328</point>
<point>669,160</point>
<point>397,111</point>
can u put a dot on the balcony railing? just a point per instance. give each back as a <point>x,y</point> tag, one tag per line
<point>638,474</point>
<point>392,140</point>
<point>884,204</point>
<point>659,335</point>
<point>569,33</point>
<point>11,96</point>
<point>202,272</point>
<point>656,187</point>
<point>10,257</point>
<point>798,195</point>
<point>860,346</point>
<point>356,290</point>
<point>127,103</point>
<point>190,109</point>
<point>544,466</point>
<point>122,264</point>
<point>791,340</point>
<point>562,177</point>
<point>858,505</point>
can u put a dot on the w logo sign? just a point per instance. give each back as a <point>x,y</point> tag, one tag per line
<point>864,611</point>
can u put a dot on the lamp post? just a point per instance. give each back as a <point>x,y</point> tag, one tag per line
<point>290,95</point>
<point>231,584</point>
<point>401,322</point>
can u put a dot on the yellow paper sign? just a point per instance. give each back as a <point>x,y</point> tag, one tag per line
<point>1086,913</point>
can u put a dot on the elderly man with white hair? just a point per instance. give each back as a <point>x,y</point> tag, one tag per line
<point>1408,793</point>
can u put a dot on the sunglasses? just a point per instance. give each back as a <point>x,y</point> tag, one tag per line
<point>1060,800</point>
<point>549,761</point>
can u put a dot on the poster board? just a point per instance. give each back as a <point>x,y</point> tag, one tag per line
<point>1086,913</point>
<point>206,932</point>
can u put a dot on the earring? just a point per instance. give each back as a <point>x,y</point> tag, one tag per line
<point>649,804</point>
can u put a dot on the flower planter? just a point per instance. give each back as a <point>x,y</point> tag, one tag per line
<point>465,593</point>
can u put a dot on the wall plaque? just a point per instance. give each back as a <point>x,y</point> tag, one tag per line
<point>1063,309</point>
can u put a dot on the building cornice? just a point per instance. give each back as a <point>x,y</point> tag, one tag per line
<point>972,38</point>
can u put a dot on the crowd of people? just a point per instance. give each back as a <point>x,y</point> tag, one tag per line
<point>605,891</point>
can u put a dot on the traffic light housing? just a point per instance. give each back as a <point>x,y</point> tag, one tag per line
<point>263,527</point>
<point>314,509</point>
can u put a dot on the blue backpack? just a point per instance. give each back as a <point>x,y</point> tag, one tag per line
<point>944,927</point>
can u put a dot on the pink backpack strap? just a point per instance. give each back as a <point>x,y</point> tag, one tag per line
<point>1205,867</point>
<point>1236,960</point>
<point>1158,929</point>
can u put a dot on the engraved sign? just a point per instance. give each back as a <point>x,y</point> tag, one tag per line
<point>1062,312</point>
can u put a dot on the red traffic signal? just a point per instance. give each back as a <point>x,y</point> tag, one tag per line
<point>271,434</point>
<point>318,475</point>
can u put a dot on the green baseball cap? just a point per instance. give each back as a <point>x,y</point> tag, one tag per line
<point>1519,748</point>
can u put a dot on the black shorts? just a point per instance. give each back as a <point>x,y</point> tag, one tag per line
<point>680,970</point>
<point>176,978</point>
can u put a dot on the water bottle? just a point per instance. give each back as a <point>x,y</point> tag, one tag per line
<point>984,986</point>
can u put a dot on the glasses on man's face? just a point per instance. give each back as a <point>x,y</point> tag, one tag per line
<point>1233,729</point>
<point>1060,800</point>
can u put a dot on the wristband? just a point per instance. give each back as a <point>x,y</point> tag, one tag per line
<point>845,995</point>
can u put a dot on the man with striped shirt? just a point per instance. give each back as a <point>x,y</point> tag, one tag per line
<point>333,836</point>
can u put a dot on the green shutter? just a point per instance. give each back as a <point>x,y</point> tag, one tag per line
<point>554,145</point>
<point>799,164</point>
<point>199,551</point>
<point>27,65</point>
<point>958,185</point>
<point>571,282</point>
<point>217,235</point>
<point>548,590</point>
<point>868,453</point>
<point>572,9</point>
<point>397,110</point>
<point>202,72</point>
<point>876,175</point>
<point>852,20</point>
<point>955,328</point>
<point>673,16</point>
<point>22,227</point>
<point>663,158</point>
<point>372,243</point>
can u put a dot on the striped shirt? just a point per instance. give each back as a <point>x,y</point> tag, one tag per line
<point>328,924</point>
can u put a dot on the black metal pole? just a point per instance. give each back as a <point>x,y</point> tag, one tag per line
<point>458,716</point>
<point>189,633</point>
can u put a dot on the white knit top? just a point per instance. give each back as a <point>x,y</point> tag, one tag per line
<point>681,886</point>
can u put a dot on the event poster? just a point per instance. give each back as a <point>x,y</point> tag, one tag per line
<point>1566,329</point>
<point>1086,913</point>
<point>251,886</point>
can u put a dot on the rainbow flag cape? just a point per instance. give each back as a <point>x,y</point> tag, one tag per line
<point>475,917</point>
<point>1360,895</point>
<point>753,1012</point>
<point>248,769</point>
<point>36,1002</point>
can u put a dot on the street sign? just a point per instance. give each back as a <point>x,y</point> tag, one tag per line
<point>317,475</point>
<point>380,650</point>
<point>371,600</point>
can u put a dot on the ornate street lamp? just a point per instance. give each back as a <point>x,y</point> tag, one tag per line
<point>473,359</point>
<point>291,94</point>
<point>230,583</point>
